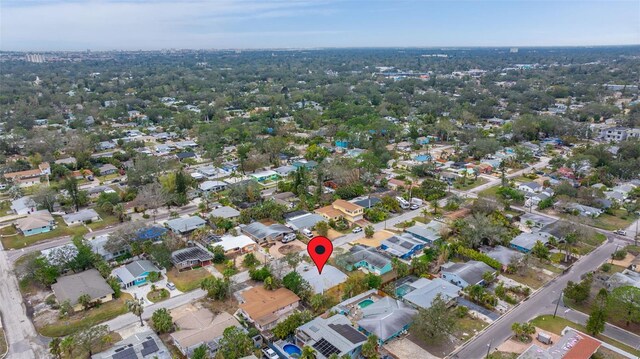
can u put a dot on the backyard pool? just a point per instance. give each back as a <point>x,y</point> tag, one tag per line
<point>402,290</point>
<point>292,350</point>
<point>365,303</point>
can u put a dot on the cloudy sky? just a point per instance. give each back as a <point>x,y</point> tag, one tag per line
<point>219,24</point>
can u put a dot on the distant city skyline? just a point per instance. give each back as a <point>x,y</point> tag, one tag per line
<point>39,25</point>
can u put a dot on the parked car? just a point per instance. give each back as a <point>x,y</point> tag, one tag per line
<point>621,232</point>
<point>171,286</point>
<point>357,230</point>
<point>414,206</point>
<point>289,237</point>
<point>307,233</point>
<point>269,353</point>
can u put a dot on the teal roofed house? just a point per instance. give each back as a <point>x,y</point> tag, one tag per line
<point>134,273</point>
<point>370,259</point>
<point>306,164</point>
<point>264,176</point>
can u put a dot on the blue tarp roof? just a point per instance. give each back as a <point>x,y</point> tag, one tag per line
<point>151,232</point>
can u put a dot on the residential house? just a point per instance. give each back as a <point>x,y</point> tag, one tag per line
<point>263,233</point>
<point>524,242</point>
<point>287,199</point>
<point>198,326</point>
<point>107,169</point>
<point>613,134</point>
<point>533,220</point>
<point>23,205</point>
<point>369,259</point>
<point>530,187</point>
<point>90,282</point>
<point>403,246</point>
<point>106,145</point>
<point>465,274</point>
<point>135,273</point>
<point>428,233</point>
<point>387,318</point>
<point>71,161</point>
<point>572,345</point>
<point>367,202</point>
<point>29,177</point>
<point>98,246</point>
<point>185,224</point>
<point>225,212</point>
<point>265,176</point>
<point>144,345</point>
<point>87,215</point>
<point>503,255</point>
<point>423,291</point>
<point>579,209</point>
<point>212,186</point>
<point>232,244</point>
<point>334,335</point>
<point>284,171</point>
<point>320,283</point>
<point>190,257</point>
<point>152,233</point>
<point>305,220</point>
<point>625,278</point>
<point>266,308</point>
<point>341,209</point>
<point>185,155</point>
<point>534,199</point>
<point>35,223</point>
<point>306,164</point>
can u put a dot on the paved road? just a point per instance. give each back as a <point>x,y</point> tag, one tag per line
<point>22,337</point>
<point>541,302</point>
<point>611,331</point>
<point>14,254</point>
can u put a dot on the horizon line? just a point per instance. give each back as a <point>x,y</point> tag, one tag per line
<point>317,48</point>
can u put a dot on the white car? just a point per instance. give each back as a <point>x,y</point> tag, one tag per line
<point>357,230</point>
<point>289,237</point>
<point>414,207</point>
<point>621,232</point>
<point>269,353</point>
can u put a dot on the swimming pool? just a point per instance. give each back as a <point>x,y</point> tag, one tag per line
<point>402,290</point>
<point>292,350</point>
<point>365,303</point>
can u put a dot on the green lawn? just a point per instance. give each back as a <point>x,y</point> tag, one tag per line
<point>611,223</point>
<point>555,325</point>
<point>20,241</point>
<point>3,343</point>
<point>468,325</point>
<point>188,280</point>
<point>470,184</point>
<point>86,319</point>
<point>489,192</point>
<point>158,295</point>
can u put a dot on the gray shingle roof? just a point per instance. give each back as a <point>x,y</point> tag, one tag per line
<point>190,253</point>
<point>470,271</point>
<point>370,255</point>
<point>424,295</point>
<point>89,282</point>
<point>386,317</point>
<point>185,224</point>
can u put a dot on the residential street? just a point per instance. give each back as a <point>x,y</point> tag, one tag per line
<point>13,255</point>
<point>541,302</point>
<point>21,335</point>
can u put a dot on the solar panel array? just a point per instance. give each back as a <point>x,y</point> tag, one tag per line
<point>149,347</point>
<point>128,353</point>
<point>325,348</point>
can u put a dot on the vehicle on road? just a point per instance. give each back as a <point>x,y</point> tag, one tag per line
<point>357,230</point>
<point>621,232</point>
<point>171,286</point>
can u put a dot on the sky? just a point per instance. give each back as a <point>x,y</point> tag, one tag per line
<point>40,25</point>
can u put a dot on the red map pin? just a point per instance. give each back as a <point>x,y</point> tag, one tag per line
<point>320,249</point>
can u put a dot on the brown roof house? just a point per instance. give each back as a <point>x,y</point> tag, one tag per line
<point>342,209</point>
<point>89,282</point>
<point>197,326</point>
<point>265,308</point>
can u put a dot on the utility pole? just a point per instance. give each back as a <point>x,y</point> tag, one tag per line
<point>489,348</point>
<point>558,304</point>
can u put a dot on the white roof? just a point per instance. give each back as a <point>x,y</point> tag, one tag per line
<point>233,242</point>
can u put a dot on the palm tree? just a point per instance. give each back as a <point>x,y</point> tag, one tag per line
<point>370,347</point>
<point>119,211</point>
<point>135,307</point>
<point>308,353</point>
